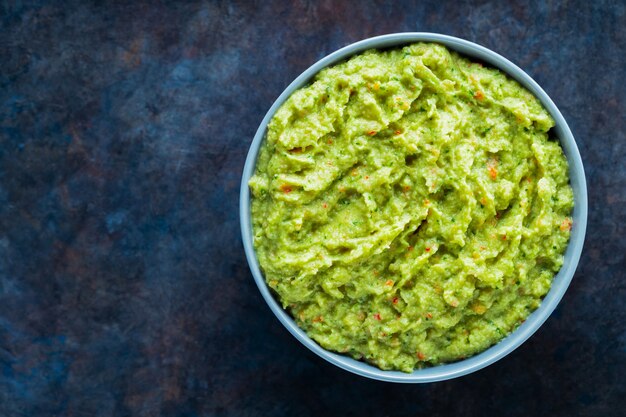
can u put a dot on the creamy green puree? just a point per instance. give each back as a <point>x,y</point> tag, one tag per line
<point>410,207</point>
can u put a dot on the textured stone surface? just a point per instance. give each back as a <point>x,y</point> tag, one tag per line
<point>123,285</point>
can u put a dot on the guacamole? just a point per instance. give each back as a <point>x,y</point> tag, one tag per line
<point>410,207</point>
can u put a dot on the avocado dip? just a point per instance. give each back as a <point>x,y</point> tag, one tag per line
<point>410,207</point>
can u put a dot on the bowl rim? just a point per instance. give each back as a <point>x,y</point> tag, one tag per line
<point>560,282</point>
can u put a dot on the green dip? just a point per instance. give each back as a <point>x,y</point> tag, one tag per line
<point>410,207</point>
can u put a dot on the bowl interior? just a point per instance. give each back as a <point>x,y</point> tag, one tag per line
<point>560,282</point>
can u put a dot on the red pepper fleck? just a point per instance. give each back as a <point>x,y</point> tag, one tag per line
<point>329,141</point>
<point>395,300</point>
<point>285,188</point>
<point>503,237</point>
<point>389,283</point>
<point>493,172</point>
<point>566,225</point>
<point>318,319</point>
<point>377,316</point>
<point>406,188</point>
<point>372,132</point>
<point>325,205</point>
<point>397,132</point>
<point>367,177</point>
<point>479,95</point>
<point>429,315</point>
<point>427,249</point>
<point>421,356</point>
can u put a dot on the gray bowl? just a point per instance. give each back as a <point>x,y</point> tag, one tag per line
<point>560,282</point>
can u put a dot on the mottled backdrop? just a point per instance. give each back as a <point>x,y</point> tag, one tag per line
<point>123,284</point>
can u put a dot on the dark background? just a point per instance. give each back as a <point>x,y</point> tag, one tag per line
<point>123,285</point>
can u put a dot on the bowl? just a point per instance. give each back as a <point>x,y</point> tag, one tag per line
<point>559,283</point>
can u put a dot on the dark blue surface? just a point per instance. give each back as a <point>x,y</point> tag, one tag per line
<point>123,285</point>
